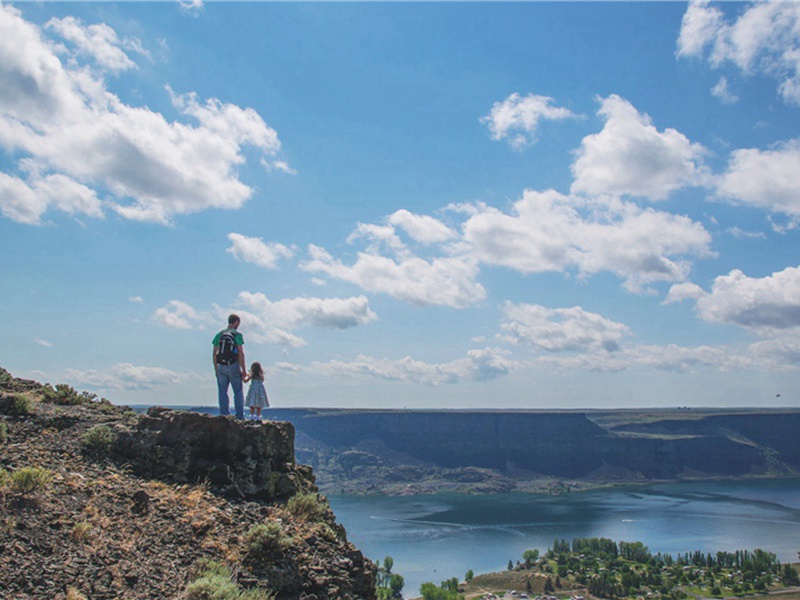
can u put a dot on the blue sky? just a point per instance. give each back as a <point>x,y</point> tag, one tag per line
<point>455,205</point>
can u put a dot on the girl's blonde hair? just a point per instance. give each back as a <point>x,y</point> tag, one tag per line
<point>256,372</point>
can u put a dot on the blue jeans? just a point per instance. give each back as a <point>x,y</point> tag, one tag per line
<point>230,374</point>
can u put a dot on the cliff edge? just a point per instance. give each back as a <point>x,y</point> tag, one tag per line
<point>99,502</point>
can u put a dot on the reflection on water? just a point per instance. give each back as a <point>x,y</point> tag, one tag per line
<point>433,538</point>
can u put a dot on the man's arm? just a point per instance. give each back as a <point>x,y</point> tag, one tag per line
<point>214,357</point>
<point>242,366</point>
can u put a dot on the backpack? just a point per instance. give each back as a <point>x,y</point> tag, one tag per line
<point>228,352</point>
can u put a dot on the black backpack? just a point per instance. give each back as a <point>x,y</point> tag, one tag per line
<point>228,352</point>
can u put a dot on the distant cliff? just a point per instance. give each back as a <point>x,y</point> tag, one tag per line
<point>97,501</point>
<point>411,451</point>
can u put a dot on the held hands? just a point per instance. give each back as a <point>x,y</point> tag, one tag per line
<point>245,376</point>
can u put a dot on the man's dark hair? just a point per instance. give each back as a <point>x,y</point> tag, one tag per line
<point>233,320</point>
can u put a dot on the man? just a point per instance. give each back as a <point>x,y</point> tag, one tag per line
<point>229,367</point>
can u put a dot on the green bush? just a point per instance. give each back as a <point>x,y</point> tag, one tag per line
<point>267,540</point>
<point>308,507</point>
<point>17,405</point>
<point>30,479</point>
<point>98,438</point>
<point>3,432</point>
<point>215,582</point>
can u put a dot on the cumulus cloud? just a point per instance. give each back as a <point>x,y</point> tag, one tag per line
<point>723,92</point>
<point>630,156</point>
<point>560,329</point>
<point>684,291</point>
<point>764,38</point>
<point>764,305</point>
<point>192,7</point>
<point>179,315</point>
<point>670,357</point>
<point>99,42</point>
<point>124,376</point>
<point>88,148</point>
<point>421,228</point>
<point>548,231</point>
<point>268,321</point>
<point>517,118</point>
<point>254,250</point>
<point>479,365</point>
<point>442,281</point>
<point>273,321</point>
<point>765,179</point>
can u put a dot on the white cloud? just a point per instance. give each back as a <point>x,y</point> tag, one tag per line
<point>43,343</point>
<point>765,178</point>
<point>179,315</point>
<point>764,305</point>
<point>26,201</point>
<point>700,25</point>
<point>278,165</point>
<point>630,156</point>
<point>764,38</point>
<point>478,365</point>
<point>99,42</point>
<point>124,376</point>
<point>136,299</point>
<point>445,281</point>
<point>561,329</point>
<point>255,251</point>
<point>670,357</point>
<point>721,91</point>
<point>684,291</point>
<point>421,228</point>
<point>517,118</point>
<point>548,231</point>
<point>273,322</point>
<point>64,122</point>
<point>192,7</point>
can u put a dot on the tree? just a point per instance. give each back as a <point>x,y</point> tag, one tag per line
<point>789,575</point>
<point>548,586</point>
<point>530,557</point>
<point>469,575</point>
<point>510,565</point>
<point>396,584</point>
<point>430,591</point>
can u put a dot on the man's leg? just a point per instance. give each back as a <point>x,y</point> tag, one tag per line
<point>238,394</point>
<point>223,379</point>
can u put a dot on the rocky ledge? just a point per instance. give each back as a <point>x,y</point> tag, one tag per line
<point>98,502</point>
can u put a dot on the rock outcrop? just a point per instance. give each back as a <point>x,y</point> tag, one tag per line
<point>98,502</point>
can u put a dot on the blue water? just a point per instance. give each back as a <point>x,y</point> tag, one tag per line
<point>433,538</point>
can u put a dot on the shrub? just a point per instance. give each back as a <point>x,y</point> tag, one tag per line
<point>215,582</point>
<point>267,540</point>
<point>73,594</point>
<point>308,507</point>
<point>64,394</point>
<point>17,405</point>
<point>98,438</point>
<point>3,432</point>
<point>81,531</point>
<point>30,479</point>
<point>3,478</point>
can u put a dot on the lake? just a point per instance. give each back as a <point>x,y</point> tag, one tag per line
<point>433,538</point>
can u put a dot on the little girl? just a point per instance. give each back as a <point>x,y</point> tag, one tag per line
<point>257,394</point>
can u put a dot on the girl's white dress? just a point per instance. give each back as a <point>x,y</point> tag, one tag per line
<point>257,394</point>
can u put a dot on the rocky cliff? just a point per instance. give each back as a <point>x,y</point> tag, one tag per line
<point>493,451</point>
<point>98,502</point>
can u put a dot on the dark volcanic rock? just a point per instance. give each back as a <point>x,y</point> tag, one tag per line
<point>128,520</point>
<point>236,458</point>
